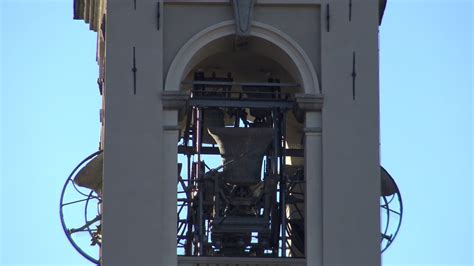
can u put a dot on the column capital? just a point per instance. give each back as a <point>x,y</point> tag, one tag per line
<point>174,100</point>
<point>312,130</point>
<point>309,101</point>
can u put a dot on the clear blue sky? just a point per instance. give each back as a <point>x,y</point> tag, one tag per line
<point>50,110</point>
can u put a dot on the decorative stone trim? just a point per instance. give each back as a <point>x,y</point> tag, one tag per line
<point>174,100</point>
<point>91,11</point>
<point>170,128</point>
<point>309,102</point>
<point>312,130</point>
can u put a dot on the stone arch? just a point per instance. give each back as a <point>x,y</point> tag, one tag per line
<point>192,52</point>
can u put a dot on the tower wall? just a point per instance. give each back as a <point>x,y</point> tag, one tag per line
<point>351,168</point>
<point>134,181</point>
<point>139,208</point>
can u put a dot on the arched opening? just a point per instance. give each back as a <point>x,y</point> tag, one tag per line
<point>241,182</point>
<point>209,41</point>
<point>256,60</point>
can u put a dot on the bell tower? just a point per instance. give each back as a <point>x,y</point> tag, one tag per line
<point>242,132</point>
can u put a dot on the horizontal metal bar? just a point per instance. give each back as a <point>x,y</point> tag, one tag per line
<point>73,202</point>
<point>241,84</point>
<point>219,102</point>
<point>268,94</point>
<point>390,210</point>
<point>215,150</point>
<point>89,223</point>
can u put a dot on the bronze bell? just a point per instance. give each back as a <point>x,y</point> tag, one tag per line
<point>90,176</point>
<point>388,184</point>
<point>242,151</point>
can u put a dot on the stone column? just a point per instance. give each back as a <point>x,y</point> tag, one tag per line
<point>312,105</point>
<point>172,102</point>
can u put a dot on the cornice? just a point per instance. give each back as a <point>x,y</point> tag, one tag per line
<point>309,102</point>
<point>91,11</point>
<point>174,100</point>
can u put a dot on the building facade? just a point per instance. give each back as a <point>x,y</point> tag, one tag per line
<point>149,53</point>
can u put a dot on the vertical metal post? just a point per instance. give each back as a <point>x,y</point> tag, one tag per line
<point>198,135</point>
<point>275,142</point>
<point>276,173</point>
<point>279,161</point>
<point>282,129</point>
<point>201,224</point>
<point>189,240</point>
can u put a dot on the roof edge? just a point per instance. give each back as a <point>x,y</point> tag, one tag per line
<point>91,11</point>
<point>382,5</point>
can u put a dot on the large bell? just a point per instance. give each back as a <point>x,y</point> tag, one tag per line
<point>90,176</point>
<point>242,151</point>
<point>389,187</point>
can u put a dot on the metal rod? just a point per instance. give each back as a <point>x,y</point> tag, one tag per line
<point>275,160</point>
<point>73,202</point>
<point>158,15</point>
<point>189,240</point>
<point>328,17</point>
<point>283,190</point>
<point>354,75</point>
<point>97,218</point>
<point>225,102</point>
<point>186,150</point>
<point>279,161</point>
<point>198,128</point>
<point>238,94</point>
<point>350,10</point>
<point>134,70</point>
<point>275,144</point>
<point>194,184</point>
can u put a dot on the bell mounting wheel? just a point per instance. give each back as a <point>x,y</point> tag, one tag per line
<point>80,209</point>
<point>391,209</point>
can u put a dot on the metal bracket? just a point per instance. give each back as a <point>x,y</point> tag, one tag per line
<point>134,70</point>
<point>354,75</point>
<point>350,10</point>
<point>100,84</point>
<point>158,15</point>
<point>328,17</point>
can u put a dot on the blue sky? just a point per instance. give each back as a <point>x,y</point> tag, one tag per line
<point>50,121</point>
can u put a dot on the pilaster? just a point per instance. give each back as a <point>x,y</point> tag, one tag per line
<point>351,167</point>
<point>134,202</point>
<point>312,105</point>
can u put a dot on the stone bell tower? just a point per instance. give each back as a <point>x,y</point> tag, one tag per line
<point>306,70</point>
